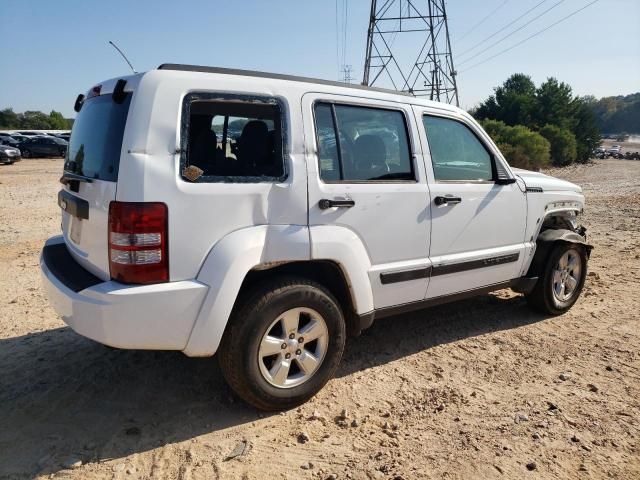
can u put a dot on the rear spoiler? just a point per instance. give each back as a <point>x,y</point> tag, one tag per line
<point>118,95</point>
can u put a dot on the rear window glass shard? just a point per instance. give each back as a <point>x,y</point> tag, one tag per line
<point>96,138</point>
<point>233,141</point>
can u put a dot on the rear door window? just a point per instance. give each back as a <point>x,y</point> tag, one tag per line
<point>96,138</point>
<point>362,144</point>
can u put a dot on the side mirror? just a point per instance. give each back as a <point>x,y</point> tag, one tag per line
<point>505,181</point>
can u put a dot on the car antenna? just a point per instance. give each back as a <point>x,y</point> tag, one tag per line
<point>123,56</point>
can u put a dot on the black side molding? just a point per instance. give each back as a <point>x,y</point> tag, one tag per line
<point>473,264</point>
<point>404,276</point>
<point>73,205</point>
<point>62,265</point>
<point>414,274</point>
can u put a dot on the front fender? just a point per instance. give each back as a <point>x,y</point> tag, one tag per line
<point>225,268</point>
<point>545,242</point>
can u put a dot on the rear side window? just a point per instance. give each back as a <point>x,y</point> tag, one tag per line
<point>235,141</point>
<point>360,144</point>
<point>96,138</point>
<point>456,153</point>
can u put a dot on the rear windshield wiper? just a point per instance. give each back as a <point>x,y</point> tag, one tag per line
<point>68,177</point>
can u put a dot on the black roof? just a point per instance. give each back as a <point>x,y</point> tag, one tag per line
<point>277,76</point>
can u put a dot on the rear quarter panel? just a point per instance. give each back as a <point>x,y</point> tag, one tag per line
<point>201,214</point>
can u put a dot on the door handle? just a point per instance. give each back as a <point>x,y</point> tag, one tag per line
<point>326,203</point>
<point>447,200</point>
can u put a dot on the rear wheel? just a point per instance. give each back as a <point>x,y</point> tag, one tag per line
<point>283,343</point>
<point>561,283</point>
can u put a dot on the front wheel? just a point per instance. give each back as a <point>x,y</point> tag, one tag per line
<point>283,343</point>
<point>561,283</point>
<point>26,153</point>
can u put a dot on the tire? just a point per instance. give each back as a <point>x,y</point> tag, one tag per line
<point>26,153</point>
<point>553,293</point>
<point>246,356</point>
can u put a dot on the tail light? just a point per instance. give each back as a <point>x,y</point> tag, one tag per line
<point>138,249</point>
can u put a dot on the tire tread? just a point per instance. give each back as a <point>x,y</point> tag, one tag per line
<point>248,304</point>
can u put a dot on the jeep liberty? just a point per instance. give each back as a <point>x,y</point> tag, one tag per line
<point>263,218</point>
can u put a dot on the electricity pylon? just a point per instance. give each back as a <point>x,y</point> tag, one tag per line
<point>432,73</point>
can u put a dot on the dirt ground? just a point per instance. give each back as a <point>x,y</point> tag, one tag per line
<point>479,389</point>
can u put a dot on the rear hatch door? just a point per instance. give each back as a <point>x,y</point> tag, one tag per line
<point>90,179</point>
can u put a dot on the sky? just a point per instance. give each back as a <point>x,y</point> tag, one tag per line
<point>53,50</point>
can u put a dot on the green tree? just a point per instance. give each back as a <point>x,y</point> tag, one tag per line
<point>8,118</point>
<point>34,120</point>
<point>563,144</point>
<point>586,130</point>
<point>617,114</point>
<point>554,105</point>
<point>513,102</point>
<point>57,121</point>
<point>518,102</point>
<point>522,147</point>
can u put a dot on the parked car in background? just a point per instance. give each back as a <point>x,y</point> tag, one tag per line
<point>9,154</point>
<point>45,146</point>
<point>613,149</point>
<point>31,133</point>
<point>19,137</point>
<point>12,142</point>
<point>63,136</point>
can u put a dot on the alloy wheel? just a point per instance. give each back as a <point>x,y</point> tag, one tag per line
<point>566,276</point>
<point>293,347</point>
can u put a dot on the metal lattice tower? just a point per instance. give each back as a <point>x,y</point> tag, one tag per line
<point>430,73</point>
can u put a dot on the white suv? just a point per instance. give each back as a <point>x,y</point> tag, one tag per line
<point>264,217</point>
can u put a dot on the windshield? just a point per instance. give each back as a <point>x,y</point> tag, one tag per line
<point>96,138</point>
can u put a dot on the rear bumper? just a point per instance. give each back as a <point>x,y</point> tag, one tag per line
<point>150,317</point>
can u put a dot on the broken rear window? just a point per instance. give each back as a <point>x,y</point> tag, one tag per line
<point>233,140</point>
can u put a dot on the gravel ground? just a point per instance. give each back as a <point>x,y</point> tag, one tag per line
<point>482,388</point>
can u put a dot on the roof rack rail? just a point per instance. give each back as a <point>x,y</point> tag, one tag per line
<point>277,76</point>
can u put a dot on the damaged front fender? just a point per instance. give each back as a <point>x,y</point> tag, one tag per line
<point>547,239</point>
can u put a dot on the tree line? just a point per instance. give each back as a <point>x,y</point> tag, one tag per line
<point>33,120</point>
<point>620,114</point>
<point>536,126</point>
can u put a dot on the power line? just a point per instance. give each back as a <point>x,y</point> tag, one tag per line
<point>484,19</point>
<point>337,39</point>
<point>345,19</point>
<point>502,29</point>
<point>512,33</point>
<point>532,36</point>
